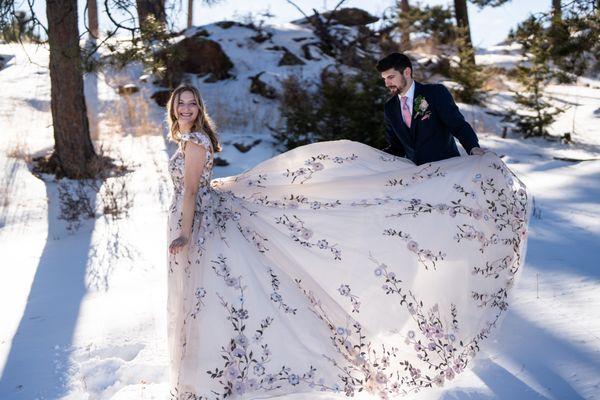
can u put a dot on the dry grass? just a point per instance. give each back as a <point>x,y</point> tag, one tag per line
<point>4,197</point>
<point>496,81</point>
<point>130,114</point>
<point>20,151</point>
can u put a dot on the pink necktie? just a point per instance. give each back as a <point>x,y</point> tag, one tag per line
<point>405,111</point>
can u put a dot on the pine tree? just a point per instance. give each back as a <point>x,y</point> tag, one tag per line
<point>342,106</point>
<point>536,113</point>
<point>467,73</point>
<point>434,22</point>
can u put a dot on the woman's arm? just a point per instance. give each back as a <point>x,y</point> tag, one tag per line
<point>194,159</point>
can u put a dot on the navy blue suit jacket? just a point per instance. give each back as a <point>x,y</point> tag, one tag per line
<point>432,138</point>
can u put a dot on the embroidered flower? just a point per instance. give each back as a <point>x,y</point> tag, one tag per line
<point>231,282</point>
<point>344,290</point>
<point>239,387</point>
<point>322,244</point>
<point>306,233</point>
<point>294,379</point>
<point>242,340</point>
<point>317,166</point>
<point>413,246</point>
<point>238,352</point>
<point>276,297</point>
<point>243,314</point>
<point>380,377</point>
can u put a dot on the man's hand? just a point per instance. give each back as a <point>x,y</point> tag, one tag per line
<point>477,151</point>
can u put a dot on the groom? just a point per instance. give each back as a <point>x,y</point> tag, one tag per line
<point>422,120</point>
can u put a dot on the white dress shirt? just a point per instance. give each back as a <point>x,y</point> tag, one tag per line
<point>411,96</point>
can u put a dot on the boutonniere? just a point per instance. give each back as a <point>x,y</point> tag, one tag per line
<point>422,108</point>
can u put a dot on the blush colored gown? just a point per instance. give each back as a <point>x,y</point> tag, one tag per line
<point>336,267</point>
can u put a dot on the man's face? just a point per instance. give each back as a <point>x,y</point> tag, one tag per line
<point>396,81</point>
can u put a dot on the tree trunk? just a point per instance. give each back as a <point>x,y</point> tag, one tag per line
<point>151,8</point>
<point>462,21</point>
<point>92,9</point>
<point>190,15</point>
<point>556,9</point>
<point>556,14</point>
<point>73,149</point>
<point>405,30</point>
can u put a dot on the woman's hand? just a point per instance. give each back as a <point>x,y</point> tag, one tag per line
<point>178,244</point>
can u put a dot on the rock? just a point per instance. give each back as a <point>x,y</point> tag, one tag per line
<point>262,88</point>
<point>307,53</point>
<point>161,97</point>
<point>242,148</point>
<point>201,32</point>
<point>130,88</point>
<point>194,55</point>
<point>220,162</point>
<point>245,148</point>
<point>202,56</point>
<point>211,78</point>
<point>261,37</point>
<point>225,24</point>
<point>350,16</point>
<point>290,58</point>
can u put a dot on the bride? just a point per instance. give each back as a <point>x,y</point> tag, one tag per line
<point>333,267</point>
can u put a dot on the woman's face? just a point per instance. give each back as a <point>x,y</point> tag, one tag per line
<point>186,109</point>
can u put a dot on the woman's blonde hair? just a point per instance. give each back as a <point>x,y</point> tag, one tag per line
<point>203,122</point>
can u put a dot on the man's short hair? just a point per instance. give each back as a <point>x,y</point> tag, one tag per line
<point>398,61</point>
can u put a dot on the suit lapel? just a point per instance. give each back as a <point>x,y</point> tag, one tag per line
<point>415,120</point>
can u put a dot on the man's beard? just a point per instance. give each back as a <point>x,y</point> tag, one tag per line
<point>397,90</point>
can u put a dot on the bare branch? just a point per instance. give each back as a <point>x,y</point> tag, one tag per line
<point>297,8</point>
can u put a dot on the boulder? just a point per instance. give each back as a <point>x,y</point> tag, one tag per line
<point>350,16</point>
<point>203,56</point>
<point>257,86</point>
<point>194,55</point>
<point>220,162</point>
<point>161,97</point>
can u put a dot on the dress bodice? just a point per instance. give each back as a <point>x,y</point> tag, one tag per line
<point>176,163</point>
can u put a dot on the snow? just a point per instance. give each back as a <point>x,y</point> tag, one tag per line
<point>82,311</point>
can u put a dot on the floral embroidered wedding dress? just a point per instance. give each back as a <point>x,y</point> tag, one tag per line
<point>337,267</point>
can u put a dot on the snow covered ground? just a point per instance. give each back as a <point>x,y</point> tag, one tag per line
<point>82,311</point>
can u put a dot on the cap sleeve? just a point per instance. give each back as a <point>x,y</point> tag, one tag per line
<point>199,138</point>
